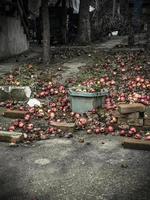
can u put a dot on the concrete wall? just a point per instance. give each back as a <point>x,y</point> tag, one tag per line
<point>12,37</point>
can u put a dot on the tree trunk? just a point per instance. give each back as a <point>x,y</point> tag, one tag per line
<point>148,34</point>
<point>137,12</point>
<point>84,34</point>
<point>131,29</point>
<point>123,7</point>
<point>114,8</point>
<point>97,7</point>
<point>64,22</point>
<point>46,31</point>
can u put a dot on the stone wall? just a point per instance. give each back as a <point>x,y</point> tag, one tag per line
<point>13,40</point>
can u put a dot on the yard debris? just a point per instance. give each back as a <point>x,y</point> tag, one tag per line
<point>34,102</point>
<point>88,143</point>
<point>68,135</point>
<point>81,140</point>
<point>124,165</point>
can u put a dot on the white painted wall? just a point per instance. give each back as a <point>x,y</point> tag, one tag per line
<point>13,40</point>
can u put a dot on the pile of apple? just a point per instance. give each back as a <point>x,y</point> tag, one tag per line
<point>94,84</point>
<point>123,77</point>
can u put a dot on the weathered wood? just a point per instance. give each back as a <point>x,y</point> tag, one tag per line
<point>130,143</point>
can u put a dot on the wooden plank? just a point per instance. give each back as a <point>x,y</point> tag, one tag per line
<point>130,143</point>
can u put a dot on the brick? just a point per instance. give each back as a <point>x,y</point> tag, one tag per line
<point>131,143</point>
<point>124,126</point>
<point>63,125</point>
<point>117,114</point>
<point>135,122</point>
<point>135,115</point>
<point>147,113</point>
<point>15,114</point>
<point>14,137</point>
<point>131,108</point>
<point>147,122</point>
<point>130,122</point>
<point>122,121</point>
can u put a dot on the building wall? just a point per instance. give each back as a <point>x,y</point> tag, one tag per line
<point>13,40</point>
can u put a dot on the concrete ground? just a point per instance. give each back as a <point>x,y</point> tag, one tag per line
<point>65,169</point>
